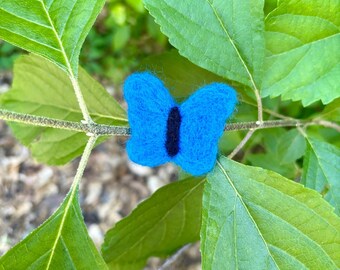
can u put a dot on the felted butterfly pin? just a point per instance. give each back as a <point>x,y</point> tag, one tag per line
<point>186,134</point>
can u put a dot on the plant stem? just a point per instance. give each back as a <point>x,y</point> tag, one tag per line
<point>276,123</point>
<point>72,193</point>
<point>96,129</point>
<point>169,263</point>
<point>81,100</point>
<point>259,104</point>
<point>265,124</point>
<point>324,123</point>
<point>83,161</point>
<point>242,143</point>
<point>73,78</point>
<point>109,130</point>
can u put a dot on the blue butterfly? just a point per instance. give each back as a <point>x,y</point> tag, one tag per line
<point>163,131</point>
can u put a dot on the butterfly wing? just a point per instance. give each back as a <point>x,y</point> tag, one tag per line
<point>204,115</point>
<point>149,104</point>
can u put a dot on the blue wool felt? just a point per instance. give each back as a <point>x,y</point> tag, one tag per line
<point>163,131</point>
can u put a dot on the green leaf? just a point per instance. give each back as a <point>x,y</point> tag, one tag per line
<point>183,77</point>
<point>321,170</point>
<point>229,141</point>
<point>291,146</point>
<point>224,37</point>
<point>303,56</point>
<point>270,5</point>
<point>257,219</point>
<point>332,111</point>
<point>61,242</point>
<point>271,161</point>
<point>41,88</point>
<point>55,29</point>
<point>272,158</point>
<point>161,224</point>
<point>180,75</point>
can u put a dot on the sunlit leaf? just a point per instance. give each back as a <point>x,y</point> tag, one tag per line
<point>169,219</point>
<point>254,217</point>
<point>224,37</point>
<point>40,88</point>
<point>61,242</point>
<point>54,29</point>
<point>303,55</point>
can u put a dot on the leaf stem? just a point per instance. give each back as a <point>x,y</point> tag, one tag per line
<point>81,100</point>
<point>242,143</point>
<point>109,130</point>
<point>83,161</point>
<point>324,123</point>
<point>73,192</point>
<point>275,123</point>
<point>70,71</point>
<point>259,104</point>
<point>171,261</point>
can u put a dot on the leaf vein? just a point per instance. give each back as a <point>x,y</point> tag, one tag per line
<point>30,39</point>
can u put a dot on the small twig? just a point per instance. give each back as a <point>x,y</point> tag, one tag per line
<point>324,123</point>
<point>80,99</point>
<point>259,104</point>
<point>97,129</point>
<point>171,260</point>
<point>302,131</point>
<point>242,143</point>
<point>265,124</point>
<point>73,192</point>
<point>110,130</point>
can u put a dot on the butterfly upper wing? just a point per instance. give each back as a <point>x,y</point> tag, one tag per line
<point>149,104</point>
<point>203,117</point>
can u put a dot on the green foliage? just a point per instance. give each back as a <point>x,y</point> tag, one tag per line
<point>180,76</point>
<point>303,37</point>
<point>61,242</point>
<point>167,220</point>
<point>270,5</point>
<point>183,77</point>
<point>112,48</point>
<point>8,53</point>
<point>251,218</point>
<point>47,28</point>
<point>321,170</point>
<point>291,146</point>
<point>332,111</point>
<point>208,36</point>
<point>271,157</point>
<point>41,88</point>
<point>261,220</point>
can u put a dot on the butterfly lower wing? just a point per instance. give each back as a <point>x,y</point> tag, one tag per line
<point>149,104</point>
<point>204,116</point>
